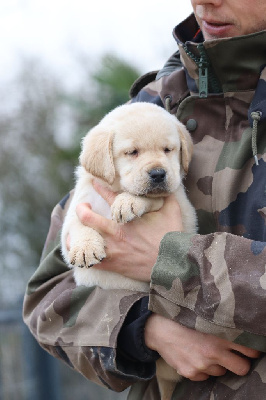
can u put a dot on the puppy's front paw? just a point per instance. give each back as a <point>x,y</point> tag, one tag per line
<point>127,207</point>
<point>86,253</point>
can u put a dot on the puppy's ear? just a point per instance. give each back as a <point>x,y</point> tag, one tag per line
<point>186,147</point>
<point>96,155</point>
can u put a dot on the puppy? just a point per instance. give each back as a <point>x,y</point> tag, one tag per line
<point>142,152</point>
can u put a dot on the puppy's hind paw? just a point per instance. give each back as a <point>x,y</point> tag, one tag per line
<point>86,256</point>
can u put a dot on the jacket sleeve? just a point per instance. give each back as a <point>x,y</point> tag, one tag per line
<point>80,325</point>
<point>214,283</point>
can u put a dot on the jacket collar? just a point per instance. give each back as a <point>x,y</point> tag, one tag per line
<point>235,63</point>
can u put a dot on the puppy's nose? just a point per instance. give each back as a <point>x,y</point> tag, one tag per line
<point>157,175</point>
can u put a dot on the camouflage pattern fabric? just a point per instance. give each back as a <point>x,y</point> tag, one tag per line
<point>214,281</point>
<point>79,325</point>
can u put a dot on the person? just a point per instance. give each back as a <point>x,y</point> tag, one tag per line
<point>205,312</point>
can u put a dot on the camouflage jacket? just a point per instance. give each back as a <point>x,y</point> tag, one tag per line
<point>214,281</point>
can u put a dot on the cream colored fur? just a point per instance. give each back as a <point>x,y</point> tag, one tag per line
<point>121,151</point>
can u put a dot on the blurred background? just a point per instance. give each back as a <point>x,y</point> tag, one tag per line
<point>64,64</point>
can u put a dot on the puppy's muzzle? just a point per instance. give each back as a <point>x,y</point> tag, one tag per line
<point>157,175</point>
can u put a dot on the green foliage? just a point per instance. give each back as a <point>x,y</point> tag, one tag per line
<point>39,145</point>
<point>108,86</point>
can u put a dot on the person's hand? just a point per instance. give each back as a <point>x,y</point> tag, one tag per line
<point>193,354</point>
<point>132,248</point>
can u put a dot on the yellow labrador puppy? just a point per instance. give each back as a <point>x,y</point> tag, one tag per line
<point>142,152</point>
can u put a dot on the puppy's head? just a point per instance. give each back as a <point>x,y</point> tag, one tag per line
<point>140,148</point>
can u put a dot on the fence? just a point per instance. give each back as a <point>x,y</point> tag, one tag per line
<point>27,372</point>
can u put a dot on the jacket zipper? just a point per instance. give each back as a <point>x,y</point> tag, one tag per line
<point>203,72</point>
<point>203,79</point>
<point>207,79</point>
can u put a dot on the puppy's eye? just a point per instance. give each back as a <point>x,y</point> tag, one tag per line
<point>132,152</point>
<point>167,149</point>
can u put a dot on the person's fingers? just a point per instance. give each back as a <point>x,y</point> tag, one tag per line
<point>246,351</point>
<point>235,363</point>
<point>170,204</point>
<point>213,370</point>
<point>199,377</point>
<point>104,192</point>
<point>216,370</point>
<point>194,374</point>
<point>96,221</point>
<point>171,210</point>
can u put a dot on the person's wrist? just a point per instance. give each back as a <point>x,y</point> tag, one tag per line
<point>150,331</point>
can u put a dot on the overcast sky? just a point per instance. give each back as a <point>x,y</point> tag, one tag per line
<point>139,30</point>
